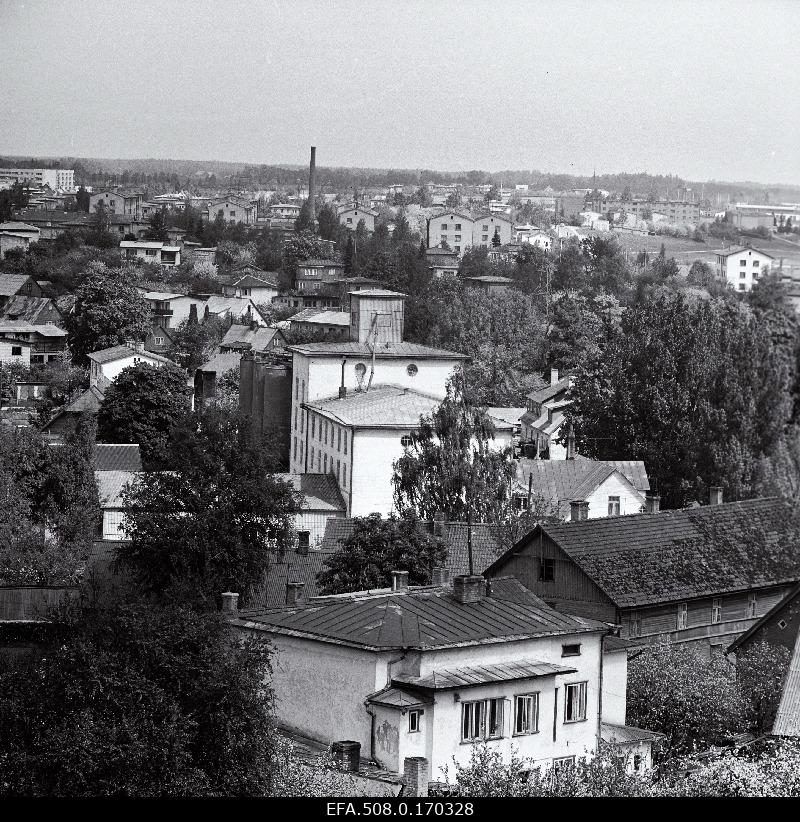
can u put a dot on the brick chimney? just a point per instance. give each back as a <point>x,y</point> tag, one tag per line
<point>715,495</point>
<point>294,594</point>
<point>439,523</point>
<point>578,510</point>
<point>440,576</point>
<point>553,376</point>
<point>399,580</point>
<point>415,771</point>
<point>230,603</point>
<point>468,589</point>
<point>652,503</point>
<point>347,755</point>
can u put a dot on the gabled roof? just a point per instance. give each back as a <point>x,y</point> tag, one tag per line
<point>787,718</point>
<point>121,352</point>
<point>28,309</point>
<point>18,227</point>
<point>117,457</point>
<point>319,263</point>
<point>643,559</point>
<point>541,395</point>
<point>383,406</point>
<point>243,336</point>
<point>428,617</point>
<point>389,350</point>
<point>10,284</point>
<point>222,363</point>
<point>254,281</point>
<point>508,414</point>
<point>20,327</point>
<point>621,734</point>
<point>731,251</point>
<point>89,400</point>
<point>320,491</point>
<point>321,316</point>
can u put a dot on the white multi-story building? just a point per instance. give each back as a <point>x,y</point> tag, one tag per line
<point>152,251</point>
<point>57,178</point>
<point>356,403</point>
<point>461,231</point>
<point>741,268</point>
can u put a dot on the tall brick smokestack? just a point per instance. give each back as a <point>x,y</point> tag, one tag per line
<point>311,185</point>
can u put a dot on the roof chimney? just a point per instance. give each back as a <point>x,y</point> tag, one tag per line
<point>715,495</point>
<point>347,755</point>
<point>652,503</point>
<point>294,594</point>
<point>343,387</point>
<point>468,589</point>
<point>570,443</point>
<point>230,603</point>
<point>578,510</point>
<point>553,376</point>
<point>399,580</point>
<point>440,576</point>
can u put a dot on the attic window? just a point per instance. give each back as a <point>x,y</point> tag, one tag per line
<point>782,624</point>
<point>571,650</point>
<point>547,567</point>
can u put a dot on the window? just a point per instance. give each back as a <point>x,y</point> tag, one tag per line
<point>295,448</point>
<point>412,370</point>
<point>563,763</point>
<point>782,624</point>
<point>313,426</point>
<point>457,238</point>
<point>444,226</point>
<point>494,718</point>
<point>319,462</point>
<point>635,624</point>
<point>486,228</point>
<point>457,248</point>
<point>547,569</point>
<point>742,275</point>
<point>485,238</point>
<point>303,540</point>
<point>683,610</point>
<point>350,220</point>
<point>413,721</point>
<point>158,340</point>
<point>345,442</point>
<point>575,702</point>
<point>716,610</point>
<point>150,252</point>
<point>752,604</point>
<point>338,439</point>
<point>361,370</point>
<point>458,226</point>
<point>613,506</point>
<point>344,474</point>
<point>16,350</point>
<point>405,440</point>
<point>311,454</point>
<point>325,469</point>
<point>296,387</point>
<point>526,714</point>
<point>742,262</point>
<point>741,287</point>
<point>755,263</point>
<point>571,650</point>
<point>472,721</point>
<point>637,763</point>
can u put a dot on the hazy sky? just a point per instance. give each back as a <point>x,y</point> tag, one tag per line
<point>706,90</point>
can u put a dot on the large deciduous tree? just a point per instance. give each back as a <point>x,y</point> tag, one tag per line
<point>108,311</point>
<point>450,467</point>
<point>699,391</point>
<point>141,406</point>
<point>215,519</point>
<point>375,548</point>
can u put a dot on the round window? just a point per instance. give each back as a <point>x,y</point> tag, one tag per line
<point>412,370</point>
<point>405,440</point>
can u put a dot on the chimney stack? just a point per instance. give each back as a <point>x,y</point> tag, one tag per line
<point>715,495</point>
<point>652,503</point>
<point>553,376</point>
<point>578,510</point>
<point>347,755</point>
<point>343,387</point>
<point>468,589</point>
<point>312,170</point>
<point>230,603</point>
<point>440,576</point>
<point>294,594</point>
<point>570,443</point>
<point>399,580</point>
<point>439,523</point>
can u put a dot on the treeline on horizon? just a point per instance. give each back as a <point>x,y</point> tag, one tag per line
<point>197,172</point>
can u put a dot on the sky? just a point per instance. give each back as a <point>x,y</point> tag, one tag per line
<point>702,89</point>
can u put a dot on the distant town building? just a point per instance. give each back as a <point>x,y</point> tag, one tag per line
<point>62,179</point>
<point>233,209</point>
<point>352,215</point>
<point>152,251</point>
<point>118,202</point>
<point>741,268</point>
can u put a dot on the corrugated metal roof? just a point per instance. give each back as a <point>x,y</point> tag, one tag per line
<point>117,457</point>
<point>383,406</point>
<point>385,351</point>
<point>419,618</point>
<point>28,309</point>
<point>627,733</point>
<point>447,678</point>
<point>787,718</point>
<point>120,352</point>
<point>285,568</point>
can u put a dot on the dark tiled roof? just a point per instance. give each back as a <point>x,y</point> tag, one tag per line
<point>447,678</point>
<point>28,309</point>
<point>289,567</point>
<point>550,391</point>
<point>11,283</point>
<point>427,617</point>
<point>392,350</point>
<point>89,400</point>
<point>486,543</point>
<point>113,457</point>
<point>672,555</point>
<point>321,491</point>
